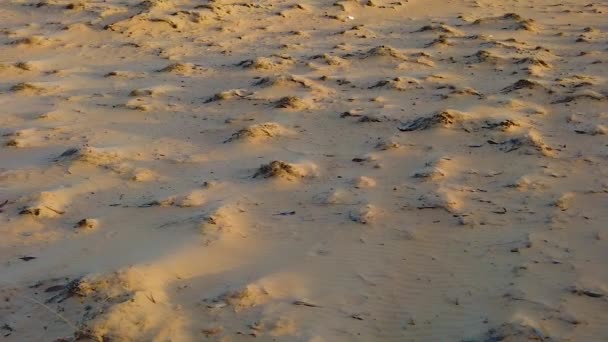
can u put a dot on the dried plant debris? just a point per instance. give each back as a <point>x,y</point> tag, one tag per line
<point>387,144</point>
<point>267,63</point>
<point>90,155</point>
<point>589,292</point>
<point>533,62</point>
<point>28,88</point>
<point>531,143</point>
<point>442,118</point>
<point>87,223</point>
<point>440,41</point>
<point>292,102</point>
<point>442,28</point>
<point>429,172</point>
<point>583,95</point>
<point>66,291</point>
<point>278,169</point>
<point>484,56</point>
<point>525,84</point>
<point>397,83</point>
<point>502,125</point>
<point>286,80</point>
<point>41,211</point>
<point>515,21</point>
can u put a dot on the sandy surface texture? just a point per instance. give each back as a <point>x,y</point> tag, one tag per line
<point>303,170</point>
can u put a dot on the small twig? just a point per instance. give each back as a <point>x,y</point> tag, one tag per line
<point>303,303</point>
<point>151,298</point>
<point>55,210</point>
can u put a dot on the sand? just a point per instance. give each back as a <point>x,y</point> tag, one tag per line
<point>303,170</point>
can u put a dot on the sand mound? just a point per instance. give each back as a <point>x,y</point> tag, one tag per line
<point>272,63</point>
<point>285,81</point>
<point>502,125</point>
<point>292,82</point>
<point>32,41</point>
<point>524,84</point>
<point>41,211</point>
<point>87,223</point>
<point>101,307</point>
<point>292,103</point>
<point>384,51</point>
<point>514,20</point>
<point>365,214</point>
<point>138,105</point>
<point>181,69</point>
<point>530,143</point>
<point>527,183</point>
<point>335,197</point>
<point>446,29</point>
<point>141,174</point>
<point>108,158</point>
<point>511,332</point>
<point>143,92</point>
<point>47,204</point>
<point>223,222</point>
<point>91,155</point>
<point>442,118</point>
<point>364,182</point>
<point>398,83</point>
<point>195,198</point>
<point>28,66</point>
<point>248,297</point>
<point>29,88</point>
<point>280,169</point>
<point>484,56</point>
<point>387,144</point>
<point>126,305</point>
<point>228,95</point>
<point>259,132</point>
<point>533,62</point>
<point>463,92</point>
<point>441,198</point>
<point>583,95</point>
<point>441,41</point>
<point>331,60</point>
<point>430,173</point>
<point>25,138</point>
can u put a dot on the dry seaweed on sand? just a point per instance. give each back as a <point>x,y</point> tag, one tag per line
<point>589,95</point>
<point>502,125</point>
<point>277,169</point>
<point>523,84</point>
<point>441,118</point>
<point>291,102</point>
<point>69,290</point>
